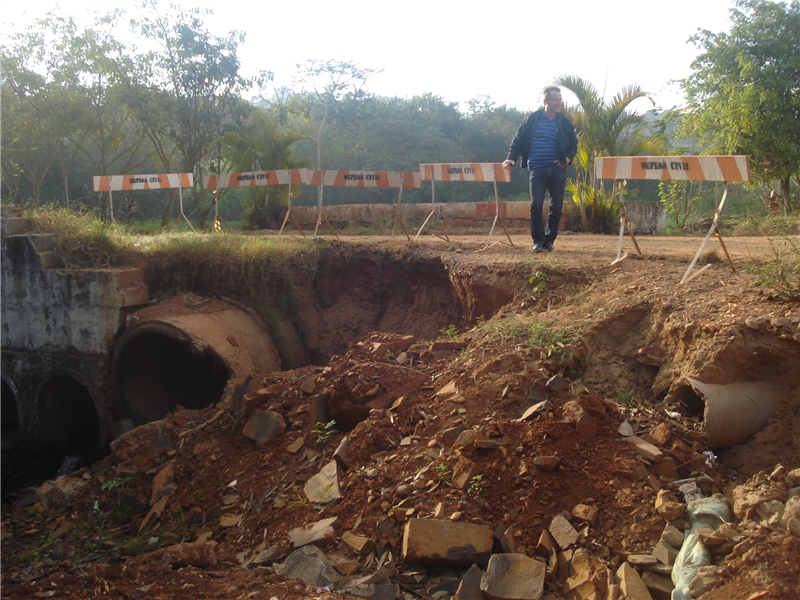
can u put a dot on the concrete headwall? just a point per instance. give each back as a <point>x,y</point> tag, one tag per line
<point>83,352</point>
<point>58,325</point>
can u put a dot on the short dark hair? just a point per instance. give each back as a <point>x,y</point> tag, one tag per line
<point>548,89</point>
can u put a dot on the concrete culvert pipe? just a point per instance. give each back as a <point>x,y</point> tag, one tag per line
<point>68,416</point>
<point>187,351</point>
<point>9,416</point>
<point>732,412</point>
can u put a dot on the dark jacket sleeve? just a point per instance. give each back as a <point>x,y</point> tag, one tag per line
<point>572,140</point>
<point>521,143</point>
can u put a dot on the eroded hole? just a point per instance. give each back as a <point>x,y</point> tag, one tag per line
<point>157,373</point>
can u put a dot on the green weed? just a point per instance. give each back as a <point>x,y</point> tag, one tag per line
<point>552,337</point>
<point>443,473</point>
<point>782,273</point>
<point>477,486</point>
<point>450,332</point>
<point>323,431</point>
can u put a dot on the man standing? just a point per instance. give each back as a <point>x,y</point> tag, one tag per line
<point>547,144</point>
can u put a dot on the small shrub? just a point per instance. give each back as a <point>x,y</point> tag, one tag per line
<point>323,431</point>
<point>477,486</point>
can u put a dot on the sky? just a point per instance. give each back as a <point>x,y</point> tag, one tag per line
<point>508,50</point>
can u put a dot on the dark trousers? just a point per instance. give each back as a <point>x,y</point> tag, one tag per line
<point>546,179</point>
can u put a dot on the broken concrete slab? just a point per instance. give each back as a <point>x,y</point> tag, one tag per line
<point>449,543</point>
<point>311,566</point>
<point>263,426</point>
<point>319,534</point>
<point>665,553</point>
<point>661,434</point>
<point>448,389</point>
<point>513,577</point>
<point>469,588</point>
<point>463,472</point>
<point>631,584</point>
<point>586,513</point>
<point>394,346</point>
<point>546,463</point>
<point>563,532</point>
<point>557,384</point>
<point>324,486</point>
<point>386,591</point>
<point>318,409</point>
<point>646,449</point>
<point>642,560</point>
<point>450,435</point>
<point>534,410</point>
<point>359,544</point>
<point>660,587</point>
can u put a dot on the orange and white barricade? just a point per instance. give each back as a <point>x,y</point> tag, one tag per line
<point>362,179</point>
<point>259,178</point>
<point>676,168</point>
<point>493,172</point>
<point>160,181</point>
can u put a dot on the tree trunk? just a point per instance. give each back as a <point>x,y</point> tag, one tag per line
<point>166,218</point>
<point>786,191</point>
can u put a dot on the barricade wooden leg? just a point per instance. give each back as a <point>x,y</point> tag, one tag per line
<point>724,249</point>
<point>711,230</point>
<point>423,224</point>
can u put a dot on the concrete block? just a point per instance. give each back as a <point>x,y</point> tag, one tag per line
<point>470,586</point>
<point>631,584</point>
<point>318,409</point>
<point>660,587</point>
<point>358,544</point>
<point>646,449</point>
<point>546,463</point>
<point>463,472</point>
<point>263,426</point>
<point>586,513</point>
<point>534,410</point>
<point>449,543</point>
<point>324,486</point>
<point>513,577</point>
<point>310,565</point>
<point>319,534</point>
<point>563,532</point>
<point>665,553</point>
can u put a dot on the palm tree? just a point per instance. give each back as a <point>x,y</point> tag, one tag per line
<point>260,143</point>
<point>604,128</point>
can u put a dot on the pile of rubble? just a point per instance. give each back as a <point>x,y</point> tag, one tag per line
<point>404,470</point>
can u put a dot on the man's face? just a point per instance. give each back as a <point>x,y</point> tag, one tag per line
<point>553,102</point>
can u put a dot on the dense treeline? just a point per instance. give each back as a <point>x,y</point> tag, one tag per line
<point>83,102</point>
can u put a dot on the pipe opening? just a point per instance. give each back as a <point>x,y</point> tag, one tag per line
<point>157,373</point>
<point>694,404</point>
<point>9,415</point>
<point>68,416</point>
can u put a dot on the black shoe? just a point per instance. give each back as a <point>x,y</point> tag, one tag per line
<point>538,248</point>
<point>549,246</point>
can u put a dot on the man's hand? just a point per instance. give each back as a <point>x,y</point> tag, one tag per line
<point>508,163</point>
<point>562,165</point>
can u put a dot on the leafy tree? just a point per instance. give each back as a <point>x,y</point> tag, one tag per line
<point>65,93</point>
<point>261,143</point>
<point>744,92</point>
<point>330,83</point>
<point>604,128</point>
<point>194,91</point>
